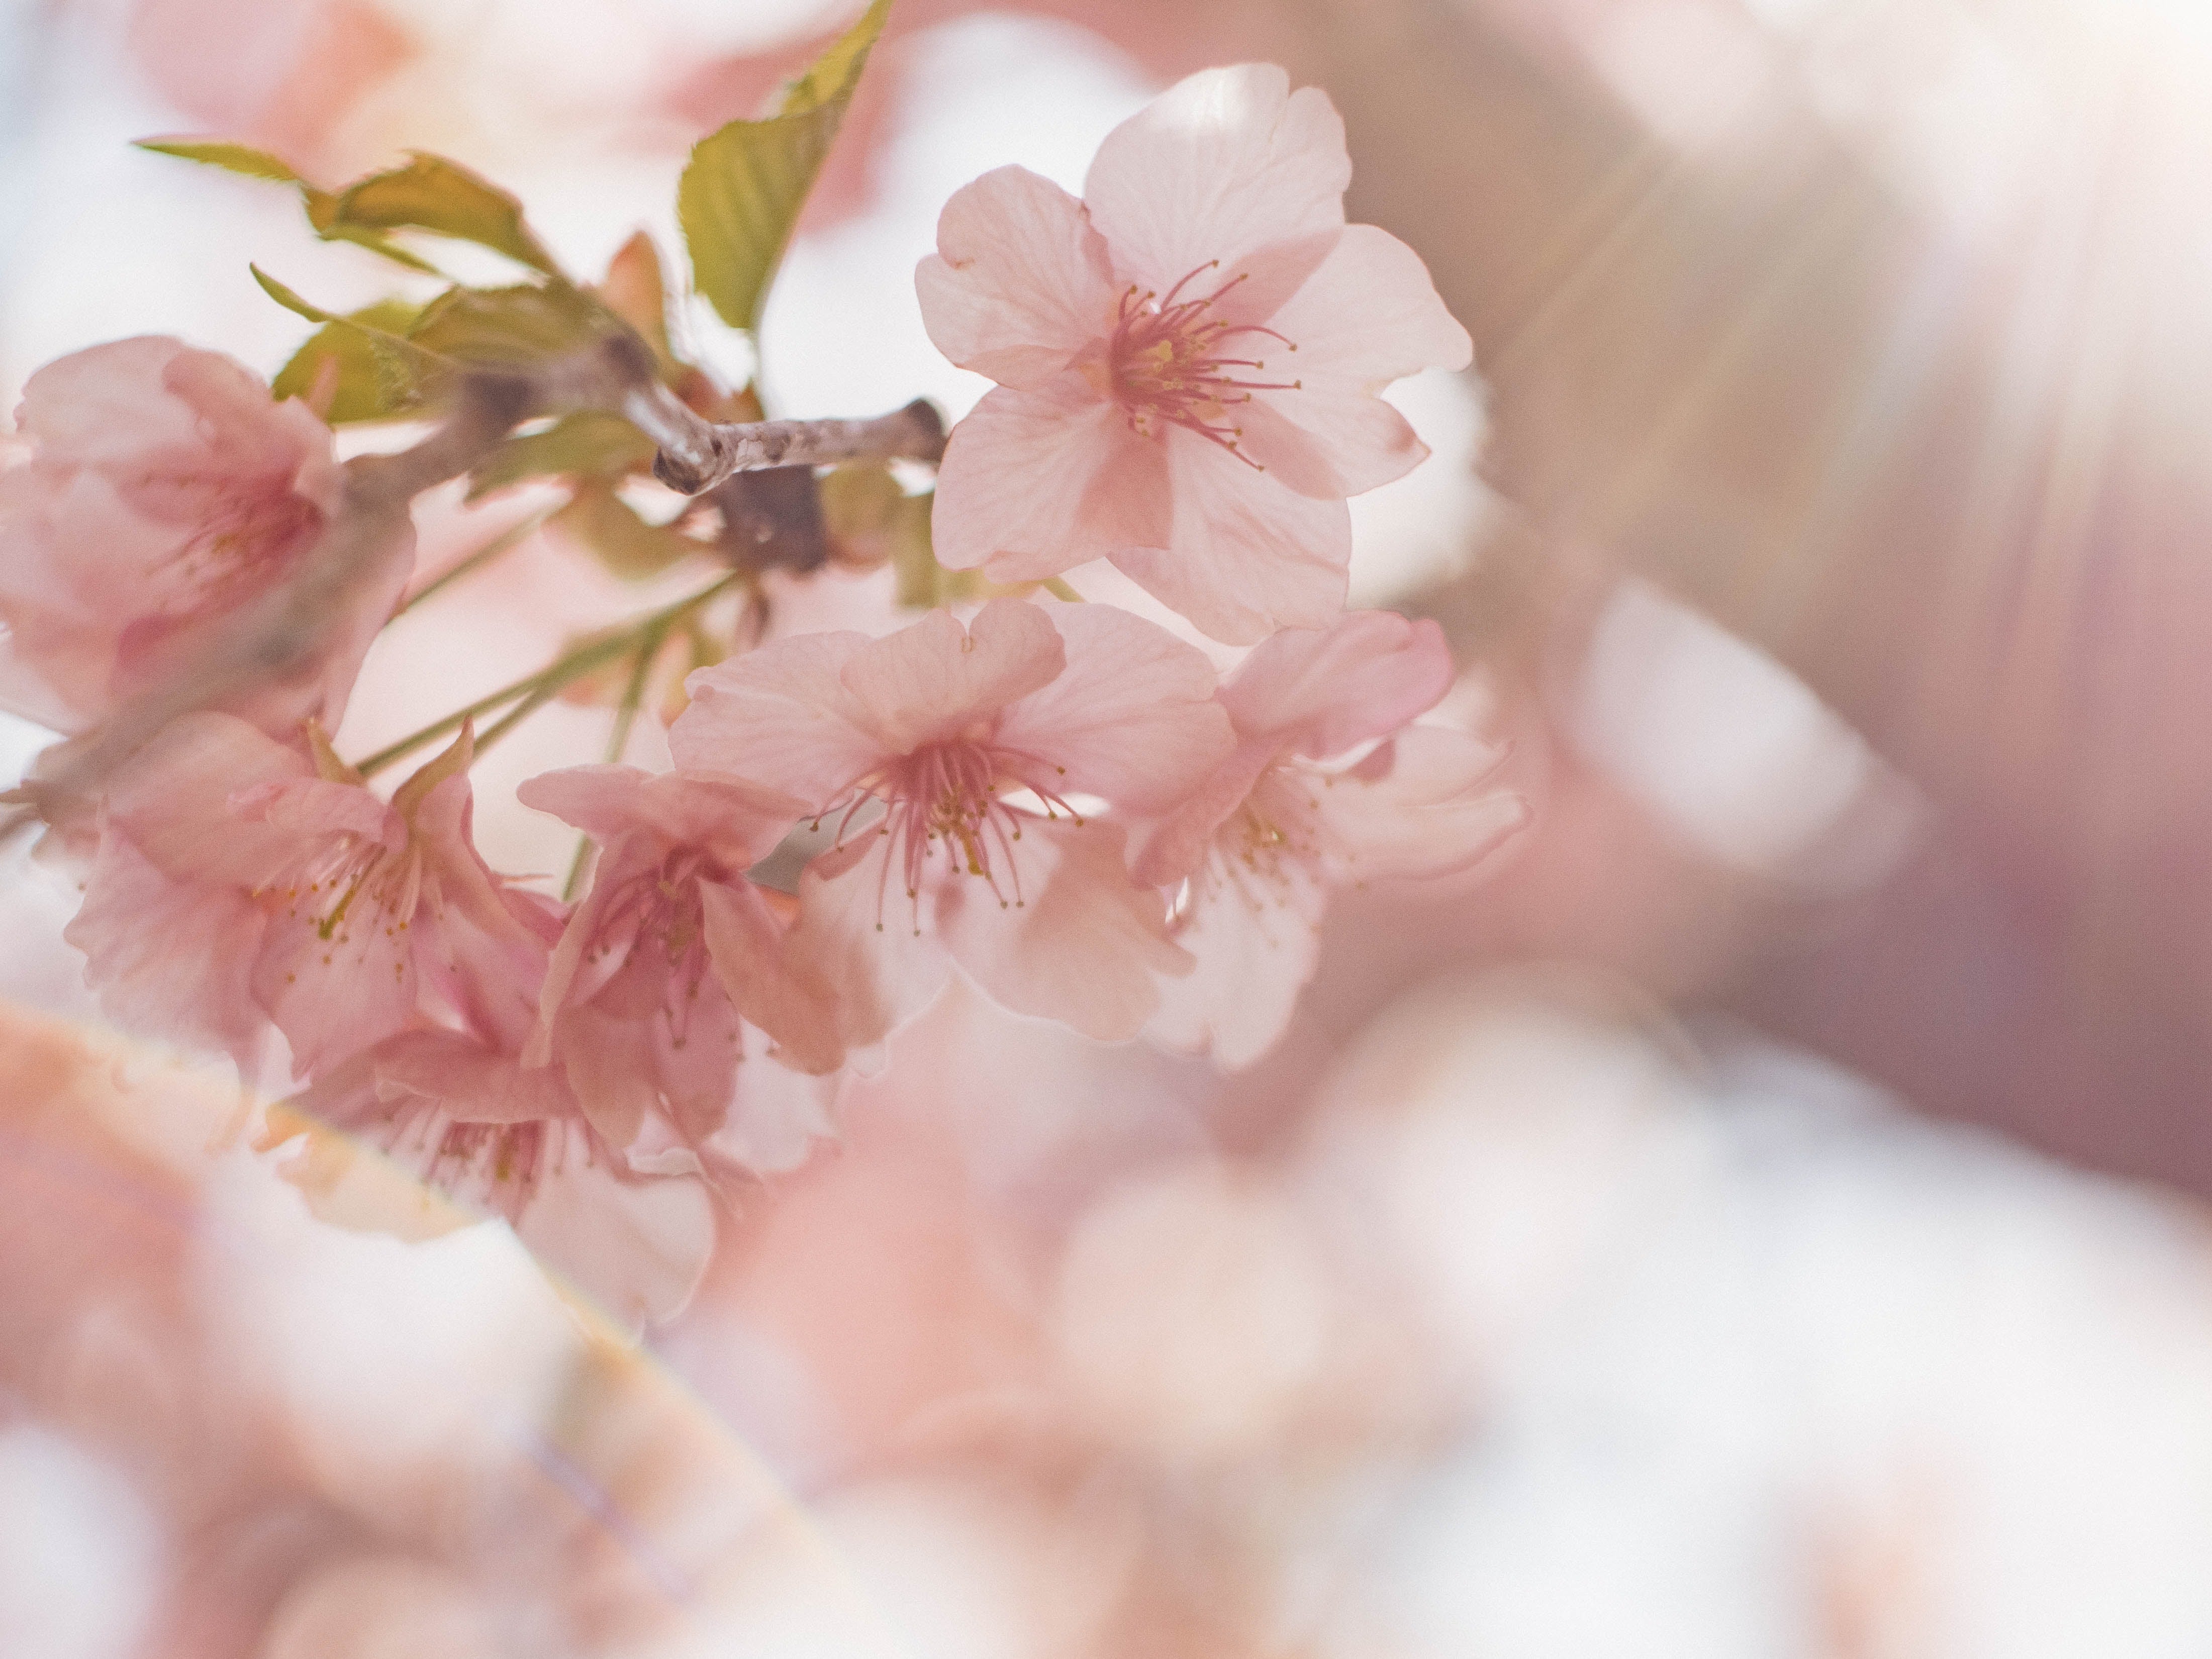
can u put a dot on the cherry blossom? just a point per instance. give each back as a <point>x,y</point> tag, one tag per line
<point>980,750</point>
<point>632,1227</point>
<point>1188,358</point>
<point>1310,801</point>
<point>239,880</point>
<point>672,953</point>
<point>163,491</point>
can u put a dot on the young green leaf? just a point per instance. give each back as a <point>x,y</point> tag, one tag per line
<point>344,362</point>
<point>444,198</point>
<point>231,157</point>
<point>506,326</point>
<point>380,373</point>
<point>321,205</point>
<point>741,192</point>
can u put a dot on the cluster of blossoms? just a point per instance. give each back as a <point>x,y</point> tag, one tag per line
<point>1062,801</point>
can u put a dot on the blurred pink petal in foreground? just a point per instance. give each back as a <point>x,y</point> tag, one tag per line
<point>164,491</point>
<point>631,1227</point>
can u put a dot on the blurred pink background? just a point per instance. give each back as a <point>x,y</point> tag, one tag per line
<point>1759,1216</point>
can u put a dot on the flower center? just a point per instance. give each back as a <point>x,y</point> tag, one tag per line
<point>948,798</point>
<point>657,926</point>
<point>243,542</point>
<point>347,882</point>
<point>1167,362</point>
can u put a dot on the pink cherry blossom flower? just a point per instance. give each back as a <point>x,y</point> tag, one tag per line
<point>631,1226</point>
<point>238,881</point>
<point>1188,358</point>
<point>672,953</point>
<point>1299,810</point>
<point>982,749</point>
<point>164,491</point>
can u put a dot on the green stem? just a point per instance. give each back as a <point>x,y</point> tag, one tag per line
<point>1059,589</point>
<point>514,716</point>
<point>538,689</point>
<point>513,537</point>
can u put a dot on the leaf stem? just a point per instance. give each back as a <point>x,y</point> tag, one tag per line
<point>538,689</point>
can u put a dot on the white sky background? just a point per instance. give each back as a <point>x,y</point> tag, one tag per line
<point>1711,1316</point>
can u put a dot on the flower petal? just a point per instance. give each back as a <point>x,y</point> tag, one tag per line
<point>931,681</point>
<point>780,716</point>
<point>777,1116</point>
<point>179,798</point>
<point>637,1247</point>
<point>1369,315</point>
<point>796,1006</point>
<point>1084,945</point>
<point>1178,844</point>
<point>1244,555</point>
<point>1322,691</point>
<point>333,996</point>
<point>170,959</point>
<point>858,931</point>
<point>1416,807</point>
<point>1039,481</point>
<point>1019,283</point>
<point>1222,163</point>
<point>736,822</point>
<point>1133,718</point>
<point>1254,930</point>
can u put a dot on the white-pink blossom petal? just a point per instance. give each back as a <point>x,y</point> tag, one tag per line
<point>1134,719</point>
<point>1224,163</point>
<point>1085,943</point>
<point>1019,281</point>
<point>1040,480</point>
<point>1242,557</point>
<point>779,717</point>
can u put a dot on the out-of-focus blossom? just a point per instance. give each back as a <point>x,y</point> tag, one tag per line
<point>671,953</point>
<point>1298,809</point>
<point>1188,358</point>
<point>978,743</point>
<point>164,490</point>
<point>238,879</point>
<point>630,1226</point>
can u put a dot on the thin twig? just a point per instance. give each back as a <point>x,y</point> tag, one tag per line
<point>696,453</point>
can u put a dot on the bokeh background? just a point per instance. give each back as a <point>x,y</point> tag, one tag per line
<point>1761,1215</point>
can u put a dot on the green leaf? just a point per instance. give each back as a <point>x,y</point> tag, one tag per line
<point>231,157</point>
<point>368,381</point>
<point>510,326</point>
<point>321,205</point>
<point>741,192</point>
<point>625,544</point>
<point>444,198</point>
<point>588,444</point>
<point>380,373</point>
